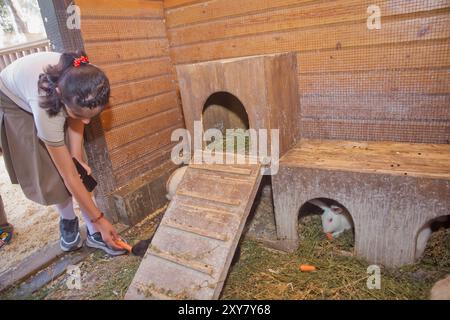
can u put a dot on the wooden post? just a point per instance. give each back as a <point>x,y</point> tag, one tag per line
<point>62,38</point>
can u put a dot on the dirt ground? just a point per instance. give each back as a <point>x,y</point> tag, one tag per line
<point>35,225</point>
<point>102,277</point>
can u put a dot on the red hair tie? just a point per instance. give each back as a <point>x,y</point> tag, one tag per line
<point>81,60</point>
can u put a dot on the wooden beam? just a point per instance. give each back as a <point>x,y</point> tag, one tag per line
<point>137,69</point>
<point>383,130</point>
<point>126,50</point>
<point>301,15</point>
<point>136,90</point>
<point>410,55</point>
<point>120,8</point>
<point>144,164</point>
<point>229,9</point>
<point>119,29</point>
<point>408,107</point>
<point>135,130</point>
<point>432,82</point>
<point>144,147</point>
<point>138,109</point>
<point>331,37</point>
<point>170,4</point>
<point>217,9</point>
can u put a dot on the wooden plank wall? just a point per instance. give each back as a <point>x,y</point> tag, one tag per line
<point>354,83</point>
<point>128,40</point>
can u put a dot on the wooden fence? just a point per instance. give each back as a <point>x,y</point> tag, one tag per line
<point>10,54</point>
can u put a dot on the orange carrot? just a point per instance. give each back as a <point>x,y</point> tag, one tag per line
<point>122,244</point>
<point>307,268</point>
<point>329,236</point>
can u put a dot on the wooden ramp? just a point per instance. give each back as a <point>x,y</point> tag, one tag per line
<point>192,249</point>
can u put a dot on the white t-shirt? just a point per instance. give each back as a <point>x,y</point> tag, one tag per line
<point>19,81</point>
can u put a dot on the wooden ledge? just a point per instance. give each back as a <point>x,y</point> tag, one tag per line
<point>383,157</point>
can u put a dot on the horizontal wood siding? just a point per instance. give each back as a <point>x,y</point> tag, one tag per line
<point>354,83</point>
<point>128,40</point>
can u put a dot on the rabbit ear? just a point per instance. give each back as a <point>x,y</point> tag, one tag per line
<point>336,209</point>
<point>319,204</point>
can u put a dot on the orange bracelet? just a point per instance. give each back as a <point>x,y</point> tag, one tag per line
<point>98,218</point>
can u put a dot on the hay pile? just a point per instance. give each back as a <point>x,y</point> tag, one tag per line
<point>233,141</point>
<point>264,273</point>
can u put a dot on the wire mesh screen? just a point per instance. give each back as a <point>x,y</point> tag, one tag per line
<point>366,70</point>
<point>395,87</point>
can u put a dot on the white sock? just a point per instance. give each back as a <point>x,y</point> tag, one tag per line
<point>65,209</point>
<point>66,212</point>
<point>88,222</point>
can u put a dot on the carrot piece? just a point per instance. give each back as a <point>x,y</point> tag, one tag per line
<point>123,244</point>
<point>329,236</point>
<point>307,268</point>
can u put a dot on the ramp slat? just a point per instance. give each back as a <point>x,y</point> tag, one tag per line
<point>191,229</point>
<point>223,168</point>
<point>181,261</point>
<point>209,197</point>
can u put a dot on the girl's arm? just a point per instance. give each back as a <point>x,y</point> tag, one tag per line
<point>66,168</point>
<point>75,131</point>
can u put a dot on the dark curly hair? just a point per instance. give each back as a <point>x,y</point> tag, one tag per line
<point>85,86</point>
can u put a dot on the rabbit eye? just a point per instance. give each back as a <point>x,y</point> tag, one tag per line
<point>331,220</point>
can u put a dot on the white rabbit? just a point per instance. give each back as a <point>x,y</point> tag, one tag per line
<point>422,239</point>
<point>334,218</point>
<point>173,182</point>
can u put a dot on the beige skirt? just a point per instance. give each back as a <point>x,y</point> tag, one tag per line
<point>26,158</point>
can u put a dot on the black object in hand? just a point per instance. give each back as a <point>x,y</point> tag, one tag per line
<point>141,247</point>
<point>88,181</point>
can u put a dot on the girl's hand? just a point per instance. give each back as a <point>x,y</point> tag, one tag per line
<point>109,233</point>
<point>86,167</point>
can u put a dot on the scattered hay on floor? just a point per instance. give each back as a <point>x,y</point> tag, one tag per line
<point>265,274</point>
